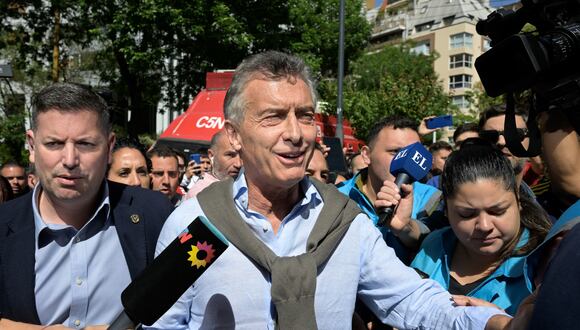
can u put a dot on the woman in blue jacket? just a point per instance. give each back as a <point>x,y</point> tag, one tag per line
<point>491,230</point>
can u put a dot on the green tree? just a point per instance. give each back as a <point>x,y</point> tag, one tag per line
<point>479,100</point>
<point>11,144</point>
<point>392,81</point>
<point>159,50</point>
<point>316,26</point>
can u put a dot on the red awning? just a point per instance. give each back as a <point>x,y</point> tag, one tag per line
<point>201,121</point>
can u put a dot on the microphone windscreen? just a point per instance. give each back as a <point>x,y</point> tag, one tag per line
<point>413,160</point>
<point>173,271</point>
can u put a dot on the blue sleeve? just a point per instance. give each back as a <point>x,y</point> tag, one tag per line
<point>399,297</point>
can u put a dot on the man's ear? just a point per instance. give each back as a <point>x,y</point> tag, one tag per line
<point>365,153</point>
<point>210,155</point>
<point>233,136</point>
<point>30,142</point>
<point>111,144</point>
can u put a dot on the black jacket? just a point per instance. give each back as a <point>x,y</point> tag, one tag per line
<point>138,215</point>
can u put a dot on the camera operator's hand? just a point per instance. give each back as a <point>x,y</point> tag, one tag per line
<point>422,129</point>
<point>561,150</point>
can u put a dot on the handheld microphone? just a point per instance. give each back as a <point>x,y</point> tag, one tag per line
<point>171,273</point>
<point>411,164</point>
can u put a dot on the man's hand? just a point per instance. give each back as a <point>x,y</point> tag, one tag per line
<point>471,301</point>
<point>325,149</point>
<point>192,168</point>
<point>389,196</point>
<point>520,321</point>
<point>6,324</point>
<point>401,224</point>
<point>422,129</point>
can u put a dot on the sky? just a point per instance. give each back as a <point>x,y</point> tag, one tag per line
<point>494,3</point>
<point>497,3</point>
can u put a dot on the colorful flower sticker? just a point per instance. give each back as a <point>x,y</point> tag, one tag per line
<point>207,255</point>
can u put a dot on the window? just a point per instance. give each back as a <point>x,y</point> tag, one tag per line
<point>461,40</point>
<point>422,47</point>
<point>460,101</point>
<point>423,27</point>
<point>460,81</point>
<point>460,61</point>
<point>486,44</point>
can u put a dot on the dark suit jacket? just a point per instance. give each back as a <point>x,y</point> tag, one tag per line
<point>138,215</point>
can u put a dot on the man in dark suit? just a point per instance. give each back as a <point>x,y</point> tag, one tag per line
<point>69,248</point>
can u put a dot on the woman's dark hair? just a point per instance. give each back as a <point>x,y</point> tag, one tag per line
<point>5,190</point>
<point>130,143</point>
<point>478,159</point>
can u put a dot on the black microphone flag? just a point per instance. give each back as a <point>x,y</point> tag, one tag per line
<point>173,271</point>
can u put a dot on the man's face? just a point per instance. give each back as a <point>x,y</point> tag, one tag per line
<point>439,159</point>
<point>497,124</point>
<point>387,144</point>
<point>70,152</point>
<point>164,175</point>
<point>277,132</point>
<point>226,160</point>
<point>17,178</point>
<point>317,167</point>
<point>205,165</point>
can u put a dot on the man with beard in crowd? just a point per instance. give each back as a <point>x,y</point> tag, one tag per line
<point>385,140</point>
<point>165,172</point>
<point>491,128</point>
<point>225,163</point>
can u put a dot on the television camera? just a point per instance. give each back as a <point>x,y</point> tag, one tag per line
<point>546,60</point>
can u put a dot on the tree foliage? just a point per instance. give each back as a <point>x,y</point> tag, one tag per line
<point>316,25</point>
<point>159,50</point>
<point>391,81</point>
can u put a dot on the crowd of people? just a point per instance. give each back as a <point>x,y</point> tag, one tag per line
<point>471,246</point>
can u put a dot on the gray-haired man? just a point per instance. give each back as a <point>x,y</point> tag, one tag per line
<point>332,252</point>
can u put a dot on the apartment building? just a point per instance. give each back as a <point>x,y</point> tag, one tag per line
<point>443,26</point>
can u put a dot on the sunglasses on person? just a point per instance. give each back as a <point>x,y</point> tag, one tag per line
<point>493,135</point>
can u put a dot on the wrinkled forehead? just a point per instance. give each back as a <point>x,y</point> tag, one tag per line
<point>91,118</point>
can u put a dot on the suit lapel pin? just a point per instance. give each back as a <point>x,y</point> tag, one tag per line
<point>135,218</point>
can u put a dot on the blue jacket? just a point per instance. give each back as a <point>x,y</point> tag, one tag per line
<point>506,287</point>
<point>425,200</point>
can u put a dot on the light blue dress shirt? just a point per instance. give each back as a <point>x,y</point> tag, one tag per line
<point>80,274</point>
<point>234,292</point>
